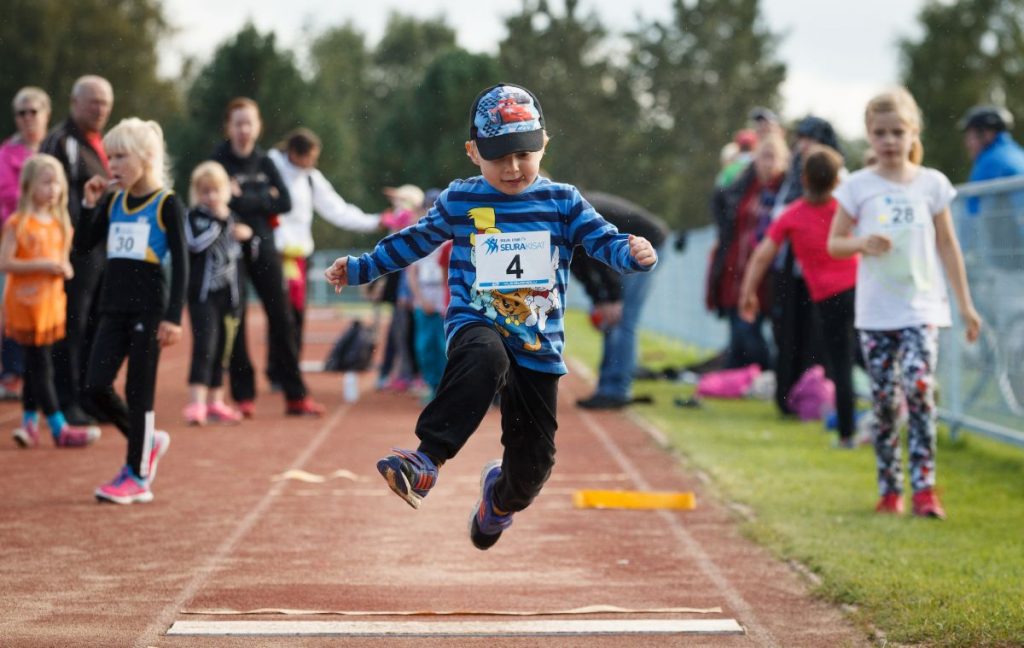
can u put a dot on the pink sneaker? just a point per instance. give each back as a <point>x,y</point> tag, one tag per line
<point>223,413</point>
<point>195,414</point>
<point>126,488</point>
<point>75,436</point>
<point>27,436</point>
<point>161,441</point>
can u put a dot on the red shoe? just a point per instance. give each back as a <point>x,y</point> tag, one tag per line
<point>891,503</point>
<point>926,504</point>
<point>304,407</point>
<point>247,408</point>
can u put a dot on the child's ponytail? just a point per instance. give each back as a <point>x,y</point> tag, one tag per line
<point>917,151</point>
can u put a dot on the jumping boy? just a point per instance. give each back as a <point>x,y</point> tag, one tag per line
<point>513,233</point>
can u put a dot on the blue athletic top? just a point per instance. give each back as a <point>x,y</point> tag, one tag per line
<point>143,235</point>
<point>147,215</point>
<point>529,318</point>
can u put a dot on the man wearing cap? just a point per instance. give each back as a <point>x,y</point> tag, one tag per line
<point>989,143</point>
<point>513,233</point>
<point>996,155</point>
<point>764,121</point>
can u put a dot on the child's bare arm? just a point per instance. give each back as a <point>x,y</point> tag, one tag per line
<point>9,263</point>
<point>756,268</point>
<point>953,261</point>
<point>843,245</point>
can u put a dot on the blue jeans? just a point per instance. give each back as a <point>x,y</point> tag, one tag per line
<point>618,359</point>
<point>746,342</point>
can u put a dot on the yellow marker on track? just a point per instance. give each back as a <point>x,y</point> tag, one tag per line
<point>683,501</point>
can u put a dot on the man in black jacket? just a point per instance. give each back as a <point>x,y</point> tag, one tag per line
<point>78,143</point>
<point>618,300</point>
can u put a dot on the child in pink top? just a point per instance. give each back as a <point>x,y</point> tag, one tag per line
<point>830,282</point>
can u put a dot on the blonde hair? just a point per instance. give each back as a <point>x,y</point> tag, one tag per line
<point>212,172</point>
<point>900,102</point>
<point>144,139</point>
<point>32,93</point>
<point>26,183</point>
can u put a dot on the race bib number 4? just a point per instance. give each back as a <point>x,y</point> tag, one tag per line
<point>512,260</point>
<point>128,241</point>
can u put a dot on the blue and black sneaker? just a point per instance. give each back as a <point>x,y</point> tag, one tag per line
<point>411,474</point>
<point>485,526</point>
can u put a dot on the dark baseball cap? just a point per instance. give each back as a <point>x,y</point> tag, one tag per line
<point>506,118</point>
<point>994,118</point>
<point>760,113</point>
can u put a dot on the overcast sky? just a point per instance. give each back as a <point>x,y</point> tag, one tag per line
<point>838,54</point>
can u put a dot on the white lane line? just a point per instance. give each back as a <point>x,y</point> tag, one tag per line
<point>170,612</point>
<point>704,562</point>
<point>454,628</point>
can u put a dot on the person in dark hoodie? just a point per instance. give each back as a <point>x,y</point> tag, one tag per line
<point>617,300</point>
<point>259,194</point>
<point>78,144</point>
<point>798,339</point>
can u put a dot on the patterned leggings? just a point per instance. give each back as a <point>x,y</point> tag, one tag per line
<point>909,356</point>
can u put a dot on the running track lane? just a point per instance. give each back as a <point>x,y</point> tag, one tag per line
<point>222,535</point>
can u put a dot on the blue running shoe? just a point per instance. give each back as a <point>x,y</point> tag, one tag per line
<point>411,474</point>
<point>485,526</point>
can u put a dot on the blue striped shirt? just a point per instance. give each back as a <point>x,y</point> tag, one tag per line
<point>529,319</point>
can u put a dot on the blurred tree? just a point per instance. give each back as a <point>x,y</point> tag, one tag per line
<point>341,114</point>
<point>251,65</point>
<point>696,78</point>
<point>567,61</point>
<point>971,52</point>
<point>49,43</point>
<point>407,49</point>
<point>440,116</point>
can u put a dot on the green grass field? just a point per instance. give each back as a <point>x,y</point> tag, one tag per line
<point>958,582</point>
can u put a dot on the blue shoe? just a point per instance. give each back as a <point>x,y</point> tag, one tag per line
<point>411,474</point>
<point>485,526</point>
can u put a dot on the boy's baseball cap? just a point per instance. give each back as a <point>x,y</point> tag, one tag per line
<point>505,119</point>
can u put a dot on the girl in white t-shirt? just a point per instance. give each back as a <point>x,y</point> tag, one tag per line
<point>896,214</point>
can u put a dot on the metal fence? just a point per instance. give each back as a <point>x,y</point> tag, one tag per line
<point>981,385</point>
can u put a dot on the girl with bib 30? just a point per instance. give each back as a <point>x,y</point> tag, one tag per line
<point>895,213</point>
<point>139,313</point>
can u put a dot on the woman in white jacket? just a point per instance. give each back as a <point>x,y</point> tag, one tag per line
<point>311,192</point>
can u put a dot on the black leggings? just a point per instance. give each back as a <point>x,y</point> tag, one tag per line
<point>38,390</point>
<point>479,366</point>
<point>133,336</point>
<point>262,265</point>
<point>70,354</point>
<point>214,326</point>
<point>798,344</point>
<point>840,341</point>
